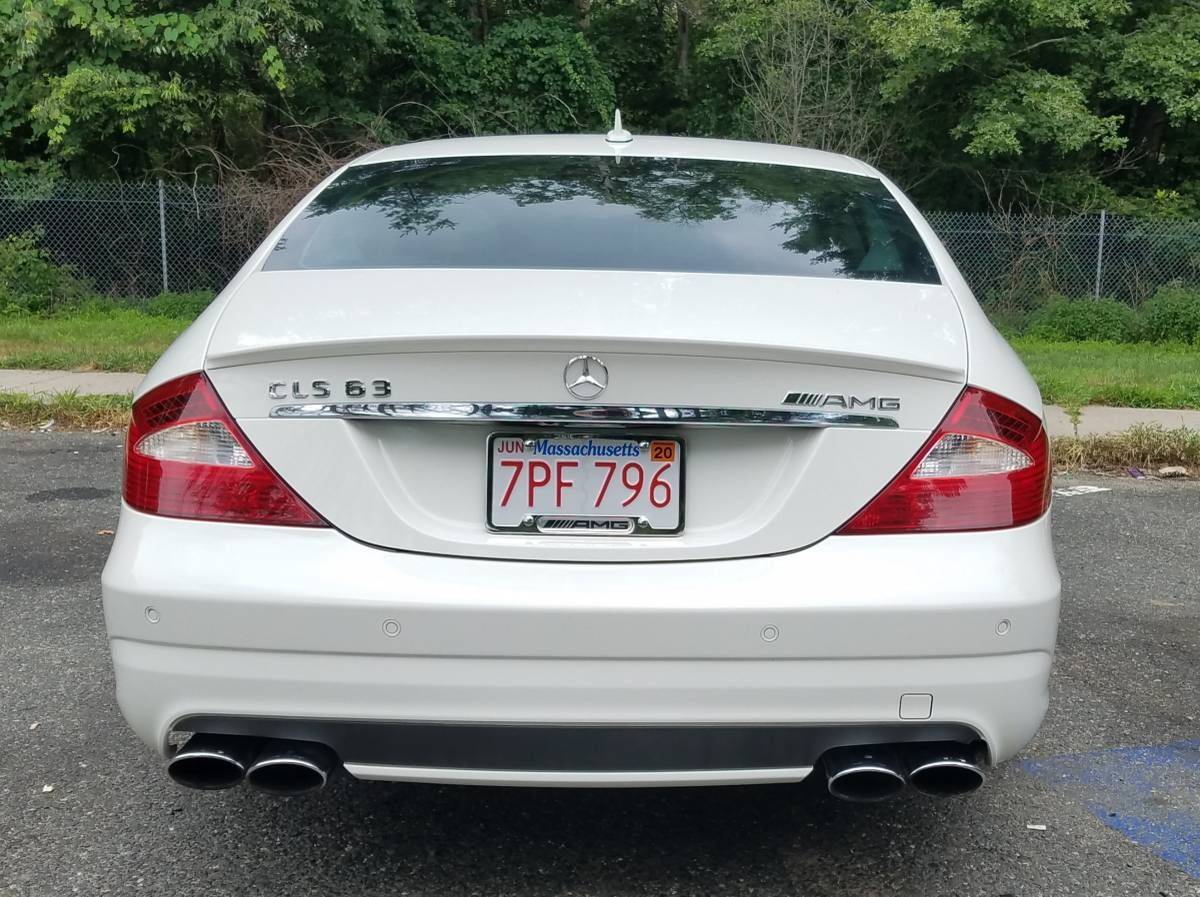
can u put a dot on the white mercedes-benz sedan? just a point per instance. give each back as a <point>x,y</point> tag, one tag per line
<point>592,461</point>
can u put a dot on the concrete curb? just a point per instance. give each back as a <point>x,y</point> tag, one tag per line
<point>1098,420</point>
<point>1094,419</point>
<point>84,383</point>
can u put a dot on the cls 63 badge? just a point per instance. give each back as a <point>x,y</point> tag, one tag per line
<point>323,389</point>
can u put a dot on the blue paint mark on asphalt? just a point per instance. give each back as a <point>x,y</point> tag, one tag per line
<point>1149,794</point>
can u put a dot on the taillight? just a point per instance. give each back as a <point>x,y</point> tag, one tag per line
<point>986,466</point>
<point>186,457</point>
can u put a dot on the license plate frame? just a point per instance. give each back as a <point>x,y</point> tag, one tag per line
<point>540,524</point>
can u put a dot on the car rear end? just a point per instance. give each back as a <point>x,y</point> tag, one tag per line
<point>544,461</point>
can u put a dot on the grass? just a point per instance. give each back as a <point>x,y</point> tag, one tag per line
<point>67,410</point>
<point>1132,375</point>
<point>116,339</point>
<point>1147,446</point>
<point>1137,375</point>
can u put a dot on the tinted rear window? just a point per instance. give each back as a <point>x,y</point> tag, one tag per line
<point>642,214</point>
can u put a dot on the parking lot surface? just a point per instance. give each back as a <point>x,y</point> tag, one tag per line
<point>1105,801</point>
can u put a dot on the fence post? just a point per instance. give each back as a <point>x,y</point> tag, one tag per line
<point>1099,251</point>
<point>162,233</point>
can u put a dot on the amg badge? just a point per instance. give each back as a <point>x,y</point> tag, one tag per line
<point>616,526</point>
<point>836,400</point>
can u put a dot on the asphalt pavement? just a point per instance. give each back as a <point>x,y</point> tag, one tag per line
<point>1106,801</point>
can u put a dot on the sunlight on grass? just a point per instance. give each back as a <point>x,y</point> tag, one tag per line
<point>110,340</point>
<point>1133,375</point>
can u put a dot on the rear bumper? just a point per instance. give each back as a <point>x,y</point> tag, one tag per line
<point>307,628</point>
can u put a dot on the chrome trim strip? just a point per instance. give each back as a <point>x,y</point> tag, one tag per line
<point>583,415</point>
<point>597,779</point>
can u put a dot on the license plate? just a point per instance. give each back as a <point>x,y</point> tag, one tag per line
<point>574,485</point>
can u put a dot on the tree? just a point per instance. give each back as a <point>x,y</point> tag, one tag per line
<point>93,83</point>
<point>1053,103</point>
<point>1075,96</point>
<point>809,74</point>
<point>129,86</point>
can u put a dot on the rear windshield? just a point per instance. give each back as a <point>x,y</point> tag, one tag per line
<point>598,212</point>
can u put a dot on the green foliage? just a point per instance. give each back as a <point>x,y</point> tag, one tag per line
<point>1172,313</point>
<point>808,72</point>
<point>1160,62</point>
<point>1079,104</point>
<point>924,40</point>
<point>30,281</point>
<point>541,74</point>
<point>142,85</point>
<point>635,44</point>
<point>1010,322</point>
<point>1051,88</point>
<point>1105,320</point>
<point>87,76</point>
<point>1024,107</point>
<point>184,306</point>
<point>93,336</point>
<point>1131,375</point>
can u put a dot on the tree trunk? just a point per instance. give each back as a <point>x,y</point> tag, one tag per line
<point>1150,126</point>
<point>683,46</point>
<point>481,13</point>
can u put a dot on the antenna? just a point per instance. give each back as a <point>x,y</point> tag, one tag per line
<point>618,134</point>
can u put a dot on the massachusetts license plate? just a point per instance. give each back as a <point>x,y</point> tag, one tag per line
<point>577,485</point>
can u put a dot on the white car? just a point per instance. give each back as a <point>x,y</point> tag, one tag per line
<point>593,461</point>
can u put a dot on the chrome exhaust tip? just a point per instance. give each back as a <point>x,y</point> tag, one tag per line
<point>212,762</point>
<point>944,769</point>
<point>863,774</point>
<point>290,768</point>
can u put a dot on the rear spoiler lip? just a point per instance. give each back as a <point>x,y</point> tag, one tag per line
<point>788,354</point>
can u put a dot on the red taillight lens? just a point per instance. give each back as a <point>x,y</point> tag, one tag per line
<point>986,466</point>
<point>186,457</point>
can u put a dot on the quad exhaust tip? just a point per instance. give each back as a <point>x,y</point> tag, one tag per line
<point>290,768</point>
<point>286,768</point>
<point>944,769</point>
<point>212,762</point>
<point>864,774</point>
<point>868,773</point>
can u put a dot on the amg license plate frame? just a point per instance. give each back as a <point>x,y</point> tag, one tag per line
<point>564,483</point>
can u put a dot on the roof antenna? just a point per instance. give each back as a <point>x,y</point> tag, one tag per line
<point>618,134</point>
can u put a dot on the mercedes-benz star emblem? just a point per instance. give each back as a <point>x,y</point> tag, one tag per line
<point>585,376</point>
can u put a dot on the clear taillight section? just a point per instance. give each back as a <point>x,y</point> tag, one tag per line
<point>957,455</point>
<point>200,442</point>
<point>986,466</point>
<point>186,457</point>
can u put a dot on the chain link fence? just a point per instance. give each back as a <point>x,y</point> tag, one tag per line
<point>127,239</point>
<point>1014,263</point>
<point>140,239</point>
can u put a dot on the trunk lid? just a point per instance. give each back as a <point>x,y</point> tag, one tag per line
<point>504,336</point>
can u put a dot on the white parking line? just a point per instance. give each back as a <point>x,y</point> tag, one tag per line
<point>1072,491</point>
